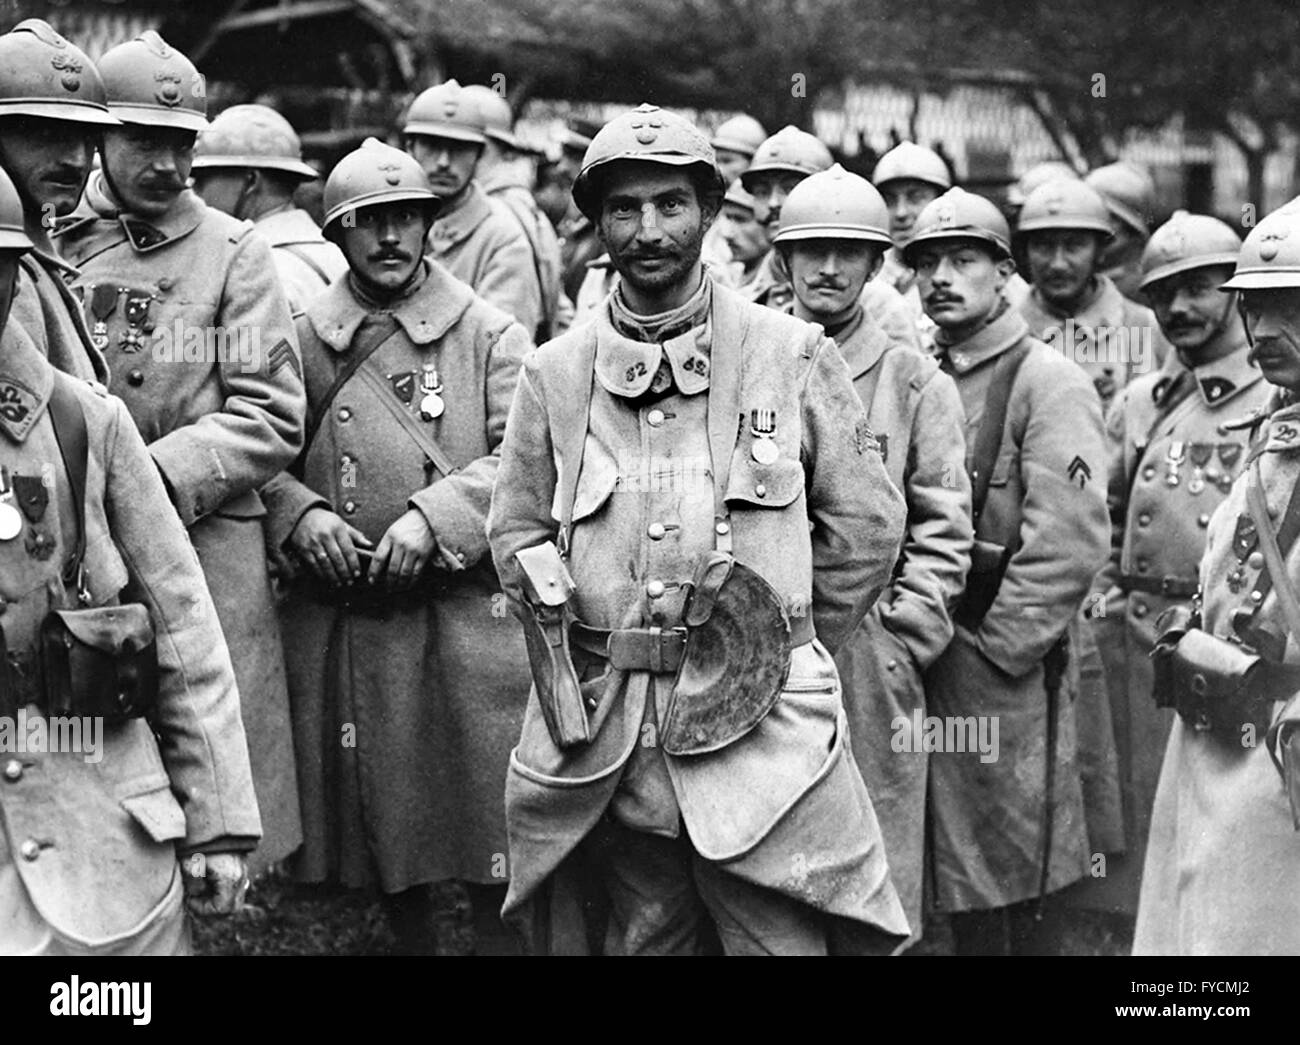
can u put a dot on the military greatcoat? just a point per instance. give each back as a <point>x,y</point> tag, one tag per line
<point>203,352</point>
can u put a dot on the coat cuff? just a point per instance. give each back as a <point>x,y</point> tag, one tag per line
<point>193,476</point>
<point>287,501</point>
<point>459,528</point>
<point>225,844</point>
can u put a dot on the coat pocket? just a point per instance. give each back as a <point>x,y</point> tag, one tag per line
<point>158,812</point>
<point>752,484</point>
<point>598,478</point>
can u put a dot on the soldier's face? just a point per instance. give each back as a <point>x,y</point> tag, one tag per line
<point>1191,309</point>
<point>49,162</point>
<point>732,164</point>
<point>385,243</point>
<point>828,274</point>
<point>448,164</point>
<point>1273,321</point>
<point>652,224</point>
<point>906,198</point>
<point>223,188</point>
<point>769,189</point>
<point>960,282</point>
<point>1062,263</point>
<point>744,236</point>
<point>148,167</point>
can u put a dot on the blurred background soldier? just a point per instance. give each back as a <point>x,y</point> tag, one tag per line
<point>1038,174</point>
<point>908,176</point>
<point>1172,462</point>
<point>89,837</point>
<point>1222,872</point>
<point>248,163</point>
<point>744,235</point>
<point>781,163</point>
<point>506,174</point>
<point>1130,196</point>
<point>1008,825</point>
<point>578,241</point>
<point>203,352</point>
<point>408,683</point>
<point>475,238</point>
<point>734,143</point>
<point>52,112</point>
<point>833,235</point>
<point>709,780</point>
<point>1074,306</point>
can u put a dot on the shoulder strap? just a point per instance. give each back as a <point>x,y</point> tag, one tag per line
<point>315,415</point>
<point>69,424</point>
<point>305,258</point>
<point>1272,547</point>
<point>414,429</point>
<point>569,422</point>
<point>988,441</point>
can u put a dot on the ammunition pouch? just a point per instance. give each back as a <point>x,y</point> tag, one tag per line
<point>1218,686</point>
<point>100,662</point>
<point>737,658</point>
<point>988,564</point>
<point>546,618</point>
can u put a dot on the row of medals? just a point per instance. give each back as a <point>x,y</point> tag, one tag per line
<point>1201,454</point>
<point>432,405</point>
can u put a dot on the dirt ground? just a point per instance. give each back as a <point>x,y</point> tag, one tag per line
<point>285,918</point>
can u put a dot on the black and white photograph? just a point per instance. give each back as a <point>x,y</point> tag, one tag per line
<point>593,478</point>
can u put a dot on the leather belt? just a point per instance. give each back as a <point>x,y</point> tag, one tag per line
<point>1169,587</point>
<point>633,649</point>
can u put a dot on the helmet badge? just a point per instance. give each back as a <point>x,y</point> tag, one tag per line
<point>945,215</point>
<point>169,91</point>
<point>647,128</point>
<point>392,173</point>
<point>71,70</point>
<point>1268,242</point>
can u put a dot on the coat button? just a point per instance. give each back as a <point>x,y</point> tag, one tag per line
<point>1144,519</point>
<point>655,418</point>
<point>345,414</point>
<point>135,377</point>
<point>1139,609</point>
<point>1149,472</point>
<point>345,460</point>
<point>655,589</point>
<point>349,507</point>
<point>1255,561</point>
<point>1203,520</point>
<point>1257,597</point>
<point>722,527</point>
<point>891,665</point>
<point>656,531</point>
<point>13,769</point>
<point>30,849</point>
<point>760,490</point>
<point>1143,566</point>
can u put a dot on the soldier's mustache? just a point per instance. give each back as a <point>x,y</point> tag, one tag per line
<point>390,255</point>
<point>171,184</point>
<point>827,284</point>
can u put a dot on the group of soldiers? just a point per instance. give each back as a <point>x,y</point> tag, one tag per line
<point>770,565</point>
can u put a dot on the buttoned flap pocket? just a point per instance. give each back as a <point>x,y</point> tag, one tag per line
<point>158,812</point>
<point>598,478</point>
<point>757,485</point>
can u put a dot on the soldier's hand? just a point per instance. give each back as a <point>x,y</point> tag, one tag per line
<point>215,883</point>
<point>404,551</point>
<point>327,545</point>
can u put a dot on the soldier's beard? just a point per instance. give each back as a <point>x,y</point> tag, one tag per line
<point>677,263</point>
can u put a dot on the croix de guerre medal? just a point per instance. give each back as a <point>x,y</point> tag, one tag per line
<point>1200,453</point>
<point>431,403</point>
<point>11,520</point>
<point>103,303</point>
<point>1174,458</point>
<point>762,426</point>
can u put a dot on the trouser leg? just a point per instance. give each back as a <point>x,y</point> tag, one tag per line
<point>653,904</point>
<point>1000,931</point>
<point>752,920</point>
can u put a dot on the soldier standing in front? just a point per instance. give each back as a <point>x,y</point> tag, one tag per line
<point>202,350</point>
<point>1007,823</point>
<point>722,506</point>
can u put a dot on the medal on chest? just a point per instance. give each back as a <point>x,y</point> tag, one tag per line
<point>431,402</point>
<point>11,519</point>
<point>1229,454</point>
<point>762,426</point>
<point>137,315</point>
<point>103,303</point>
<point>1244,540</point>
<point>1200,453</point>
<point>1174,458</point>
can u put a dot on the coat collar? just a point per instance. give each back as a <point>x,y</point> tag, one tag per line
<point>288,226</point>
<point>426,315</point>
<point>453,226</point>
<point>626,368</point>
<point>26,379</point>
<point>862,344</point>
<point>989,341</point>
<point>183,217</point>
<point>1281,432</point>
<point>1105,308</point>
